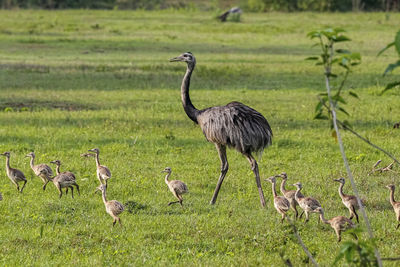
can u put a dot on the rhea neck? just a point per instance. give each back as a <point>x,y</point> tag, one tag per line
<point>322,217</point>
<point>342,195</point>
<point>8,164</point>
<point>190,110</point>
<point>58,169</point>
<point>297,195</point>
<point>283,185</point>
<point>32,161</point>
<point>103,195</point>
<point>392,201</point>
<point>166,177</point>
<point>97,160</point>
<point>273,189</point>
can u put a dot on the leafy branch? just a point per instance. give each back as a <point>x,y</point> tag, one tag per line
<point>329,102</point>
<point>392,66</point>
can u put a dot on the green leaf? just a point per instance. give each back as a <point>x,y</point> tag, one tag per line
<point>390,86</point>
<point>384,49</point>
<point>312,58</point>
<point>343,110</point>
<point>343,51</point>
<point>320,116</point>
<point>355,56</point>
<point>341,38</point>
<point>318,107</point>
<point>391,67</point>
<point>353,94</point>
<point>397,42</point>
<point>338,98</point>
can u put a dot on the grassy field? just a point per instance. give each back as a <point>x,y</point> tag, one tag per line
<point>75,80</point>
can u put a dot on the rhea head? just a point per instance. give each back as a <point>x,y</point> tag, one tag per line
<point>185,57</point>
<point>7,154</point>
<point>340,180</point>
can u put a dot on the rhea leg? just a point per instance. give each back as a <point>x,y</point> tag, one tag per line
<point>72,190</point>
<point>77,188</point>
<point>59,190</point>
<point>224,169</point>
<point>293,205</point>
<point>23,186</point>
<point>254,168</point>
<point>45,184</point>
<point>355,213</point>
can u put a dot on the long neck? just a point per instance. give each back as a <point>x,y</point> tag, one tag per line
<point>392,201</point>
<point>58,169</point>
<point>32,162</point>
<point>283,184</point>
<point>321,215</point>
<point>190,110</point>
<point>274,190</point>
<point>8,163</point>
<point>97,160</point>
<point>103,194</point>
<point>297,195</point>
<point>166,177</point>
<point>341,190</point>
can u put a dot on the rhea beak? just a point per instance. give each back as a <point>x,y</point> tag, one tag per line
<point>336,180</point>
<point>176,59</point>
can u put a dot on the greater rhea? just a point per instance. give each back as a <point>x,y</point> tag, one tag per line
<point>395,204</point>
<point>308,204</point>
<point>64,180</point>
<point>113,207</point>
<point>281,204</point>
<point>37,169</point>
<point>234,125</point>
<point>338,223</point>
<point>103,173</point>
<point>349,201</point>
<point>289,194</point>
<point>177,187</point>
<point>15,175</point>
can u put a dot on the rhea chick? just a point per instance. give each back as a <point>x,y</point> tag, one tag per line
<point>177,188</point>
<point>349,201</point>
<point>281,204</point>
<point>308,204</point>
<point>113,207</point>
<point>15,175</point>
<point>395,204</point>
<point>37,169</point>
<point>338,223</point>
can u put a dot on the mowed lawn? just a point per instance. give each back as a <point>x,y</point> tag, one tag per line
<point>74,80</point>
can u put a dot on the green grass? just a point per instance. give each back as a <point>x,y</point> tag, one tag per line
<point>75,80</point>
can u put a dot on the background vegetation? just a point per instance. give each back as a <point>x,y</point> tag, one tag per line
<point>248,5</point>
<point>74,80</point>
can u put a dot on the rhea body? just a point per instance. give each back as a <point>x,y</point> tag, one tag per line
<point>234,125</point>
<point>64,180</point>
<point>281,204</point>
<point>15,175</point>
<point>42,170</point>
<point>113,207</point>
<point>338,223</point>
<point>289,194</point>
<point>307,204</point>
<point>103,173</point>
<point>395,204</point>
<point>177,187</point>
<point>349,201</point>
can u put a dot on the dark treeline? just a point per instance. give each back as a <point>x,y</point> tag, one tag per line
<point>248,5</point>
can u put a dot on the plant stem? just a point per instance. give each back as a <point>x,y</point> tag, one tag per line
<point>341,146</point>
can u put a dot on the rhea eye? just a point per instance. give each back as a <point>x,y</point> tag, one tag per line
<point>184,55</point>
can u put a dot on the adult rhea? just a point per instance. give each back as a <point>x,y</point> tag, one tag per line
<point>234,125</point>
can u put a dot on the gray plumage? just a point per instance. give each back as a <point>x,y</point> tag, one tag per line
<point>177,187</point>
<point>234,125</point>
<point>395,204</point>
<point>42,170</point>
<point>281,204</point>
<point>113,207</point>
<point>103,173</point>
<point>64,180</point>
<point>349,201</point>
<point>308,204</point>
<point>15,175</point>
